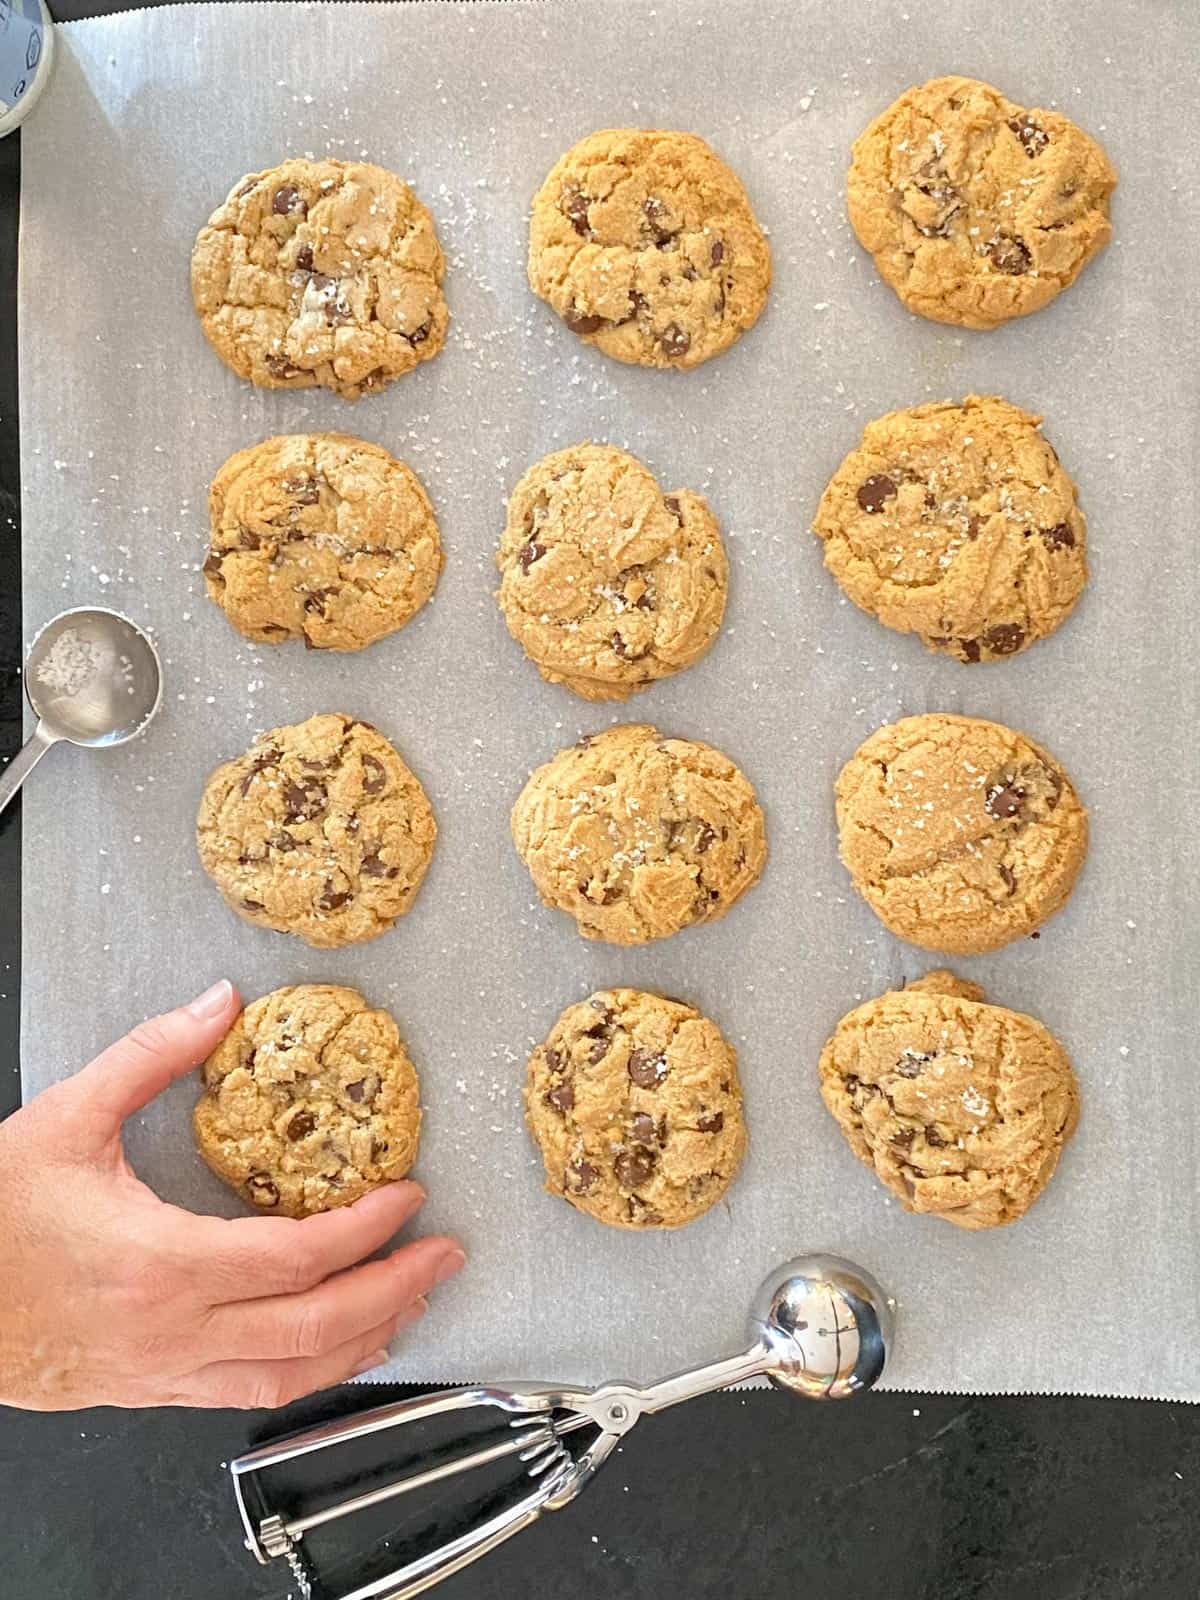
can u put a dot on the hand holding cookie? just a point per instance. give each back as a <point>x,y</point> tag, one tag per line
<point>113,1297</point>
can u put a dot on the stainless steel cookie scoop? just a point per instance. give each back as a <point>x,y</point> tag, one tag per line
<point>819,1326</point>
<point>92,678</point>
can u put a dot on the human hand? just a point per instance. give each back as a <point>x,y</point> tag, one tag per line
<point>112,1297</point>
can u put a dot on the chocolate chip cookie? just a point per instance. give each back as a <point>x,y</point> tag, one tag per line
<point>637,835</point>
<point>635,1104</point>
<point>309,1101</point>
<point>957,523</point>
<point>976,209</point>
<point>961,1108</point>
<point>606,581</point>
<point>320,537</point>
<point>644,243</point>
<point>318,830</point>
<point>961,835</point>
<point>321,273</point>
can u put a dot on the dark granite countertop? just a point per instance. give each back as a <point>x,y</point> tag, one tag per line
<point>898,1497</point>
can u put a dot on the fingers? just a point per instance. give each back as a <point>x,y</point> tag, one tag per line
<point>267,1384</point>
<point>255,1256</point>
<point>126,1076</point>
<point>324,1319</point>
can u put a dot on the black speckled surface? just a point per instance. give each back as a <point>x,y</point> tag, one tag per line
<point>735,1496</point>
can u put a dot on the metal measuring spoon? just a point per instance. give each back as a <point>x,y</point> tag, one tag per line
<point>92,678</point>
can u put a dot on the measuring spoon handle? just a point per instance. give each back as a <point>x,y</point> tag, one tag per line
<point>23,763</point>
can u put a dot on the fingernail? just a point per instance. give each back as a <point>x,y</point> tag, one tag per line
<point>212,1002</point>
<point>368,1363</point>
<point>453,1261</point>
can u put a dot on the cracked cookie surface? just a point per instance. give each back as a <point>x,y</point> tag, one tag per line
<point>960,834</point>
<point>644,243</point>
<point>635,1104</point>
<point>961,1108</point>
<point>309,1101</point>
<point>637,835</point>
<point>321,273</point>
<point>957,523</point>
<point>320,537</point>
<point>975,209</point>
<point>607,582</point>
<point>319,829</point>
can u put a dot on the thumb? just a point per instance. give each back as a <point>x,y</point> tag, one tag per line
<point>128,1075</point>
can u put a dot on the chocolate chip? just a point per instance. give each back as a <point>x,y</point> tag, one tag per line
<point>875,492</point>
<point>301,1125</point>
<point>704,838</point>
<point>710,1122</point>
<point>903,1138</point>
<point>212,565</point>
<point>280,367</point>
<point>552,1057</point>
<point>659,219</point>
<point>622,648</point>
<point>529,553</point>
<point>262,762</point>
<point>252,905</point>
<point>579,322</point>
<point>633,1167</point>
<point>717,254</point>
<point>287,201</point>
<point>583,1174</point>
<point>303,801</point>
<point>642,1128</point>
<point>282,841</point>
<point>1059,537</point>
<point>970,648</point>
<point>248,540</point>
<point>337,310</point>
<point>314,601</point>
<point>675,341</point>
<point>910,1063</point>
<point>1008,877</point>
<point>575,208</point>
<point>357,1090</point>
<point>419,335</point>
<point>643,1214</point>
<point>561,1097</point>
<point>374,866</point>
<point>1032,135</point>
<point>1004,799</point>
<point>853,1083</point>
<point>600,1048</point>
<point>974,525</point>
<point>304,258</point>
<point>646,1068</point>
<point>332,899</point>
<point>934,1139</point>
<point>673,506</point>
<point>1003,639</point>
<point>262,1191</point>
<point>374,775</point>
<point>1009,255</point>
<point>247,188</point>
<point>304,491</point>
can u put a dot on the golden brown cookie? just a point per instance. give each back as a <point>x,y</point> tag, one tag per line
<point>309,1101</point>
<point>321,273</point>
<point>975,209</point>
<point>320,537</point>
<point>635,1104</point>
<point>606,581</point>
<point>961,835</point>
<point>319,830</point>
<point>644,243</point>
<point>957,523</point>
<point>961,1108</point>
<point>637,835</point>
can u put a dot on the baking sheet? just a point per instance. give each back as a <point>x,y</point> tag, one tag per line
<point>126,414</point>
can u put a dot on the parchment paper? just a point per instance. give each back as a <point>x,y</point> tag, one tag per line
<point>126,414</point>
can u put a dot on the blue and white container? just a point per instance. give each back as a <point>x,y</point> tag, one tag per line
<point>26,56</point>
